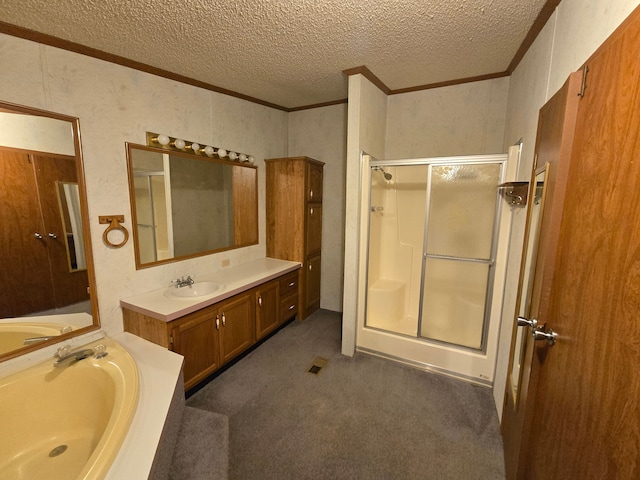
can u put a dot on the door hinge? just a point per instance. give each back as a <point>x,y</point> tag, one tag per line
<point>583,87</point>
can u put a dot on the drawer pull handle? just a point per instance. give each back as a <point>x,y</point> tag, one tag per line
<point>260,301</point>
<point>217,322</point>
<point>292,284</point>
<point>311,211</point>
<point>292,306</point>
<point>311,194</point>
<point>224,320</point>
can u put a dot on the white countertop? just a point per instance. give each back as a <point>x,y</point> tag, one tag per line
<point>235,279</point>
<point>158,372</point>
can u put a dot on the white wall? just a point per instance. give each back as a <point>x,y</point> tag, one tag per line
<point>366,125</point>
<point>466,119</point>
<point>115,105</point>
<point>321,133</point>
<point>575,30</point>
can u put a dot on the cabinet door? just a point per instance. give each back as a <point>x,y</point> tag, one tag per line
<point>312,283</point>
<point>314,228</point>
<point>196,338</point>
<point>314,176</point>
<point>237,325</point>
<point>267,303</point>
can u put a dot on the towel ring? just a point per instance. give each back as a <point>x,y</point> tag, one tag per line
<point>115,223</point>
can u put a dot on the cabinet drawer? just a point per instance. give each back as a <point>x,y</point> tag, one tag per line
<point>289,284</point>
<point>288,307</point>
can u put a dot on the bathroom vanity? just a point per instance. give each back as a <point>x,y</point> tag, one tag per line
<point>252,300</point>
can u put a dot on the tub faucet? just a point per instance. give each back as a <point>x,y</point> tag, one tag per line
<point>66,357</point>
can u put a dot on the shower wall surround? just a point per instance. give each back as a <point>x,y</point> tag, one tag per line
<point>115,105</point>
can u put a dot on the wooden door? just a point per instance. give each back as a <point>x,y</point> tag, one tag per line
<point>69,287</point>
<point>25,281</point>
<point>267,305</point>
<point>314,228</point>
<point>312,285</point>
<point>237,325</point>
<point>314,177</point>
<point>556,126</point>
<point>583,406</point>
<point>196,338</point>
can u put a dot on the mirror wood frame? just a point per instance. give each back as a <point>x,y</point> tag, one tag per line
<point>86,233</point>
<point>245,219</point>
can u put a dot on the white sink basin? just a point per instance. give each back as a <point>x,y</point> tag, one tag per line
<point>199,289</point>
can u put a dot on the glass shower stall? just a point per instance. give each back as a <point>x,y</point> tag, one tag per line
<point>430,257</point>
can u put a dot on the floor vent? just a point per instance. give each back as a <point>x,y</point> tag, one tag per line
<point>318,364</point>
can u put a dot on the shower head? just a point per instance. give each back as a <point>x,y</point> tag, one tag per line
<point>387,176</point>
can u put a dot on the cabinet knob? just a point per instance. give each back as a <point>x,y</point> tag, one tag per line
<point>260,301</point>
<point>311,211</point>
<point>292,284</point>
<point>311,193</point>
<point>292,306</point>
<point>310,266</point>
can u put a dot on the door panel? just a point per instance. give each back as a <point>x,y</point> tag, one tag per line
<point>583,404</point>
<point>588,399</point>
<point>556,126</point>
<point>20,220</point>
<point>69,287</point>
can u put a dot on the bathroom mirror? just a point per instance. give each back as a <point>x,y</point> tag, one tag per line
<point>47,286</point>
<point>185,205</point>
<point>527,273</point>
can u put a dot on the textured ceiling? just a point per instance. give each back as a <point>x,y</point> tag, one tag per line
<point>293,52</point>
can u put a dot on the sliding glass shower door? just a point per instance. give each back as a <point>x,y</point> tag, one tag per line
<point>431,249</point>
<point>459,252</point>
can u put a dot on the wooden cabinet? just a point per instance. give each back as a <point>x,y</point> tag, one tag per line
<point>216,334</point>
<point>294,222</point>
<point>237,325</point>
<point>196,338</point>
<point>267,309</point>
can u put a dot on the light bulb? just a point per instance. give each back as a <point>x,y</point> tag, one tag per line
<point>222,153</point>
<point>233,155</point>
<point>195,147</point>
<point>179,143</point>
<point>242,157</point>
<point>163,140</point>
<point>208,150</point>
<point>251,159</point>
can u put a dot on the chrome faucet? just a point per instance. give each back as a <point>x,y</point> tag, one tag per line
<point>66,357</point>
<point>184,282</point>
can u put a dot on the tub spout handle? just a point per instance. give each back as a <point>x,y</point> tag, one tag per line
<point>66,357</point>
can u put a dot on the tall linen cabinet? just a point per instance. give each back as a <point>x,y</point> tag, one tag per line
<point>294,221</point>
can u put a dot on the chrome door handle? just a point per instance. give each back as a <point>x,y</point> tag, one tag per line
<point>38,236</point>
<point>52,235</point>
<point>550,336</point>
<point>525,322</point>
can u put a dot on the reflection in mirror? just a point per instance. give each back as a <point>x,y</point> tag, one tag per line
<point>527,274</point>
<point>185,205</point>
<point>69,202</point>
<point>47,270</point>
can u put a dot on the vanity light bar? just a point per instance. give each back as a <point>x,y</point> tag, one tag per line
<point>179,145</point>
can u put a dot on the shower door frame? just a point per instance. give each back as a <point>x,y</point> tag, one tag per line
<point>375,341</point>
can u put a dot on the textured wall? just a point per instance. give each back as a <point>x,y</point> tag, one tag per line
<point>117,105</point>
<point>321,133</point>
<point>467,119</point>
